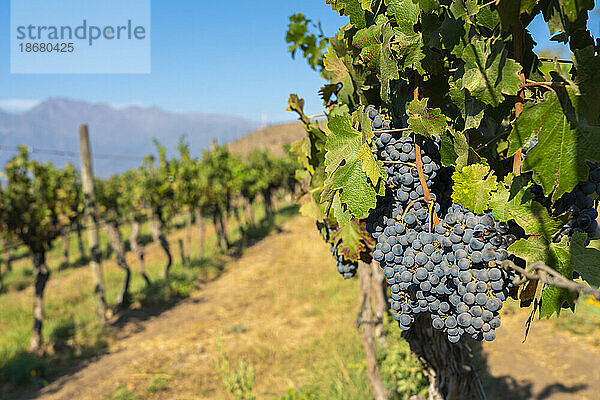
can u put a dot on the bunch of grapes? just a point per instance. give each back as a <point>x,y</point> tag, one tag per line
<point>450,270</point>
<point>581,206</point>
<point>581,203</point>
<point>346,268</point>
<point>452,273</point>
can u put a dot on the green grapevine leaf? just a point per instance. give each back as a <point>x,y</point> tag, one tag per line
<point>429,6</point>
<point>452,31</point>
<point>447,154</point>
<point>350,163</point>
<point>339,73</point>
<point>558,161</point>
<point>462,149</point>
<point>367,37</point>
<point>472,109</point>
<point>555,255</point>
<point>339,111</point>
<point>309,150</point>
<point>587,64</point>
<point>327,91</point>
<point>352,239</point>
<point>341,215</point>
<point>585,260</point>
<point>365,124</point>
<point>366,4</point>
<point>529,215</point>
<point>473,186</point>
<point>337,68</point>
<point>488,17</point>
<point>510,10</point>
<point>553,299</point>
<point>489,73</point>
<point>403,10</point>
<point>371,56</point>
<point>343,143</point>
<point>571,9</point>
<point>410,45</point>
<point>425,121</point>
<point>351,8</point>
<point>369,164</point>
<point>388,63</point>
<point>309,207</point>
<point>464,8</point>
<point>296,104</point>
<point>357,192</point>
<point>300,149</point>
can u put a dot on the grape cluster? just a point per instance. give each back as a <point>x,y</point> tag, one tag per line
<point>579,203</point>
<point>399,156</point>
<point>346,268</point>
<point>452,273</point>
<point>581,206</point>
<point>450,270</point>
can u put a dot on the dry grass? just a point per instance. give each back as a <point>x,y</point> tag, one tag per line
<point>281,308</point>
<point>272,138</point>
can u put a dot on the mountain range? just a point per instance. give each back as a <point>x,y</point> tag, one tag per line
<point>54,125</point>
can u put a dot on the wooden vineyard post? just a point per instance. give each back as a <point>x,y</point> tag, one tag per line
<point>366,327</point>
<point>91,211</point>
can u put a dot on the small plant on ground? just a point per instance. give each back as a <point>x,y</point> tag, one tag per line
<point>239,381</point>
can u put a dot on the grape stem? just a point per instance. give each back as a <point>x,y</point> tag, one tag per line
<point>316,116</point>
<point>553,60</point>
<point>410,205</point>
<point>493,140</point>
<point>426,192</point>
<point>488,4</point>
<point>541,272</point>
<point>419,162</point>
<point>529,84</point>
<point>400,162</point>
<point>391,130</point>
<point>430,213</point>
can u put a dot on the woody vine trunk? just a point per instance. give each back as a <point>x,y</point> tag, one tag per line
<point>366,326</point>
<point>447,365</point>
<point>41,276</point>
<point>201,232</point>
<point>156,226</point>
<point>139,250</point>
<point>116,241</point>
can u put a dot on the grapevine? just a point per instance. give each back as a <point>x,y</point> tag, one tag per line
<point>472,161</point>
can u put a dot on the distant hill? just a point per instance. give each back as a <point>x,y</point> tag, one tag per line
<point>272,138</point>
<point>54,125</point>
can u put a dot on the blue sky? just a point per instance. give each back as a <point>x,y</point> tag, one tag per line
<point>207,56</point>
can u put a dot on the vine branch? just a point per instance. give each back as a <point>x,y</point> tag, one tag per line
<point>555,60</point>
<point>400,162</point>
<point>541,272</point>
<point>530,84</point>
<point>518,32</point>
<point>391,130</point>
<point>419,162</point>
<point>488,4</point>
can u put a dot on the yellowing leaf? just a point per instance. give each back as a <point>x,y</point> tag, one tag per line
<point>473,186</point>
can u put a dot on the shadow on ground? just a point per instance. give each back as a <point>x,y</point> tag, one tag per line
<point>508,388</point>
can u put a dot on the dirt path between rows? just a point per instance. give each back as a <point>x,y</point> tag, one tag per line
<point>259,294</point>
